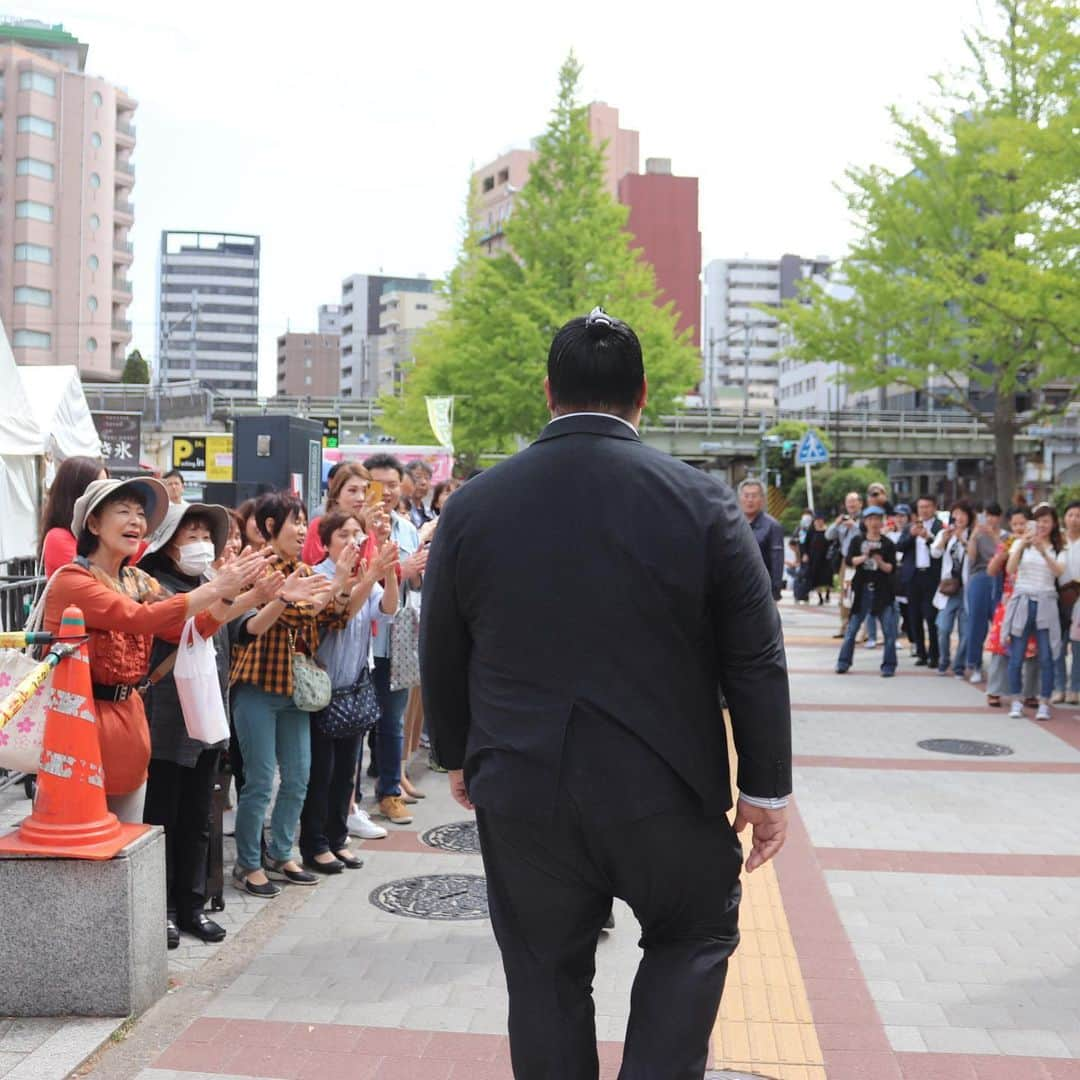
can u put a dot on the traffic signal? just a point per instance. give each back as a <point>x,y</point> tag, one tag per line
<point>788,447</point>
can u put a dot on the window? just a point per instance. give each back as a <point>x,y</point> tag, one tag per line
<point>95,99</point>
<point>95,221</point>
<point>92,304</point>
<point>91,344</point>
<point>35,211</point>
<point>307,380</point>
<point>25,294</point>
<point>421,307</point>
<point>489,183</point>
<point>29,166</point>
<point>32,339</point>
<point>35,125</point>
<point>38,81</point>
<point>95,140</point>
<point>92,262</point>
<point>504,176</point>
<point>307,361</point>
<point>95,180</point>
<point>33,253</point>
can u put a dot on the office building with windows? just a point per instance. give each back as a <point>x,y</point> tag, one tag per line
<point>208,310</point>
<point>66,141</point>
<point>740,343</point>
<point>329,319</point>
<point>361,327</point>
<point>308,364</point>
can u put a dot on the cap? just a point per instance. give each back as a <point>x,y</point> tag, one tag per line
<point>875,489</point>
<point>902,508</point>
<point>175,514</point>
<point>873,511</point>
<point>151,492</point>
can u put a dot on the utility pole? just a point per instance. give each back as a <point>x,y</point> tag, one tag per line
<point>746,364</point>
<point>193,363</point>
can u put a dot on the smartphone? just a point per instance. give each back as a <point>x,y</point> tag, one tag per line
<point>374,494</point>
<point>1031,528</point>
<point>981,518</point>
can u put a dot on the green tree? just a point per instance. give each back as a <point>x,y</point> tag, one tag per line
<point>1065,495</point>
<point>136,370</point>
<point>963,280</point>
<point>569,251</point>
<point>830,487</point>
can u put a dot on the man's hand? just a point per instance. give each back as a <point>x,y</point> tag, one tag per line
<point>458,789</point>
<point>770,831</point>
<point>415,563</point>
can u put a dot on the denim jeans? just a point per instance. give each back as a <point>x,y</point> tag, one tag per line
<point>1073,683</point>
<point>952,612</point>
<point>274,735</point>
<point>979,597</point>
<point>888,630</point>
<point>871,627</point>
<point>1018,647</point>
<point>389,732</point>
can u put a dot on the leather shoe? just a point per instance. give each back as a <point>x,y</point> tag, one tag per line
<point>349,860</point>
<point>204,928</point>
<point>172,935</point>
<point>334,867</point>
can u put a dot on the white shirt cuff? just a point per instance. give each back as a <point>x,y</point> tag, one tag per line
<point>765,804</point>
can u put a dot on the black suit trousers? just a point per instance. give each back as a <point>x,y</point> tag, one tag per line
<point>921,592</point>
<point>550,889</point>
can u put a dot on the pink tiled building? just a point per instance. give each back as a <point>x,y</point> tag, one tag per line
<point>66,140</point>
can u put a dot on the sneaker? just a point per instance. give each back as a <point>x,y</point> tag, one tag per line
<point>278,870</point>
<point>959,674</point>
<point>870,644</point>
<point>393,809</point>
<point>976,677</point>
<point>1043,711</point>
<point>266,891</point>
<point>1016,711</point>
<point>1057,697</point>
<point>362,826</point>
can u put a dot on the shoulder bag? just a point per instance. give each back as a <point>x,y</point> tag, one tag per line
<point>311,684</point>
<point>405,644</point>
<point>352,711</point>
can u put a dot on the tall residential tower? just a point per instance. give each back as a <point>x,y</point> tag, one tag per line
<point>66,140</point>
<point>208,310</point>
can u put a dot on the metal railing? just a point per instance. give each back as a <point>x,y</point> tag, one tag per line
<point>124,245</point>
<point>17,596</point>
<point>125,207</point>
<point>124,128</point>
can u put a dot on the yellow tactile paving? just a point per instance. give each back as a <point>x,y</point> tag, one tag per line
<point>765,1024</point>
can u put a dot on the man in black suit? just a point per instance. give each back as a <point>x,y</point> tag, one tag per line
<point>921,574</point>
<point>585,603</point>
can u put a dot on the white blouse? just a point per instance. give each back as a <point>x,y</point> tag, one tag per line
<point>1034,575</point>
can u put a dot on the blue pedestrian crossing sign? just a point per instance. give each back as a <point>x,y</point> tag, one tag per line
<point>811,451</point>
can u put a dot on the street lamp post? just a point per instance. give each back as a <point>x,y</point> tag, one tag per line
<point>166,332</point>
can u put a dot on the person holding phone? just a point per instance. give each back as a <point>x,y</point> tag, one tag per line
<point>950,546</point>
<point>1037,561</point>
<point>873,558</point>
<point>983,542</point>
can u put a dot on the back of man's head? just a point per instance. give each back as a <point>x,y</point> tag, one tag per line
<point>595,365</point>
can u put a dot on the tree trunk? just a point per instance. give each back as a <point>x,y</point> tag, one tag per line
<point>1004,429</point>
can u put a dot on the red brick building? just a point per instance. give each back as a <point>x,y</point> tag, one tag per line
<point>664,222</point>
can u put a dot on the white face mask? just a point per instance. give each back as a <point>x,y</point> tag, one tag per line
<point>806,521</point>
<point>195,558</point>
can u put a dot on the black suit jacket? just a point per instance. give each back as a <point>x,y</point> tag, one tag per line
<point>906,545</point>
<point>590,572</point>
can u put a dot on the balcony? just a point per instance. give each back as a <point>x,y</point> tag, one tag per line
<point>124,209</point>
<point>125,174</point>
<point>125,133</point>
<point>121,285</point>
<point>123,251</point>
<point>124,325</point>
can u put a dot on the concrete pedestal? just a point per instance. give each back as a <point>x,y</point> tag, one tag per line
<point>80,938</point>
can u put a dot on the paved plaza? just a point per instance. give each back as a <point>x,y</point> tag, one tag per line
<point>922,923</point>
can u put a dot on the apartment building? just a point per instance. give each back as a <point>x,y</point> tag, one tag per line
<point>66,143</point>
<point>208,310</point>
<point>403,313</point>
<point>308,364</point>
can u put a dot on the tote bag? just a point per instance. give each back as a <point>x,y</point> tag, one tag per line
<point>405,644</point>
<point>196,676</point>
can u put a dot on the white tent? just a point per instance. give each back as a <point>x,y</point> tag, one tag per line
<point>42,410</point>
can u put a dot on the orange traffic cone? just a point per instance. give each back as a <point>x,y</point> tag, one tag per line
<point>70,818</point>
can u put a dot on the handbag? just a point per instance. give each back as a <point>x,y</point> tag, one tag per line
<point>352,710</point>
<point>405,644</point>
<point>196,677</point>
<point>952,585</point>
<point>311,684</point>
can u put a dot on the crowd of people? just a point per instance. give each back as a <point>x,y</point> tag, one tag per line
<point>300,616</point>
<point>960,586</point>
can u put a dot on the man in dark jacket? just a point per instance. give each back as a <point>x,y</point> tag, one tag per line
<point>768,532</point>
<point>921,575</point>
<point>585,603</point>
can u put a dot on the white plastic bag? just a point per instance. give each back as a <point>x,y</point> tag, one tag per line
<point>197,686</point>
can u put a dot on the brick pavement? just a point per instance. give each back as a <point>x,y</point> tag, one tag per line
<point>921,924</point>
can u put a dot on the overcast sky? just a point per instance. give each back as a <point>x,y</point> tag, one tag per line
<point>344,133</point>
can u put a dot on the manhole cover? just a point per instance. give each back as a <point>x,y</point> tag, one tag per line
<point>434,896</point>
<point>971,747</point>
<point>460,836</point>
